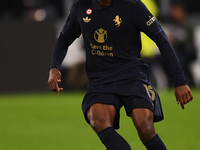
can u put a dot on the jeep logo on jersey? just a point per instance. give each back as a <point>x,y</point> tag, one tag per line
<point>100,35</point>
<point>151,20</point>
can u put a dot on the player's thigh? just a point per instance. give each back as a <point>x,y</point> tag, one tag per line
<point>143,121</point>
<point>142,117</point>
<point>101,116</point>
<point>101,108</point>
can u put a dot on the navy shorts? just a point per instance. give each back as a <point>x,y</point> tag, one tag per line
<point>130,94</point>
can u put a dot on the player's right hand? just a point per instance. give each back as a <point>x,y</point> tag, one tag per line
<point>54,78</point>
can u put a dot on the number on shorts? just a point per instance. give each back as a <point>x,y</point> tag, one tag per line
<point>149,90</point>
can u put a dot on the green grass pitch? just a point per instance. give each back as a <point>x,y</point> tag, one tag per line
<point>54,121</point>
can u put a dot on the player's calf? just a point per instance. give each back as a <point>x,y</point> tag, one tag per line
<point>112,140</point>
<point>155,144</point>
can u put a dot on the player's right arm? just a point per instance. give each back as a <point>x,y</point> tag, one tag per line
<point>70,32</point>
<point>54,78</point>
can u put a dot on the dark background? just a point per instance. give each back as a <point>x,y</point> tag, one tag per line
<point>25,55</point>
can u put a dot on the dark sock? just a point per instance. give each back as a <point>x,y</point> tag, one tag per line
<point>155,144</point>
<point>112,140</point>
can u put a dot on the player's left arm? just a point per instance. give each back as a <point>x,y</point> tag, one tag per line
<point>152,28</point>
<point>182,91</point>
<point>183,95</point>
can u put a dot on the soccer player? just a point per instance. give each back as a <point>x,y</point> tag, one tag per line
<point>117,76</point>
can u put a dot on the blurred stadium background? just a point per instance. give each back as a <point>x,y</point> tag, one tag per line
<point>32,117</point>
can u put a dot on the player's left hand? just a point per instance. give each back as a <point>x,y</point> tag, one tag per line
<point>183,95</point>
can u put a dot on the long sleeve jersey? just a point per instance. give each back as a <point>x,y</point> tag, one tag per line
<point>112,38</point>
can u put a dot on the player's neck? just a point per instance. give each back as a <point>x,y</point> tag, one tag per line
<point>105,2</point>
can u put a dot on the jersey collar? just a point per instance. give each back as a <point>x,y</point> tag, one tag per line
<point>97,6</point>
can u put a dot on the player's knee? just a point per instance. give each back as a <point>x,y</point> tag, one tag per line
<point>99,124</point>
<point>146,132</point>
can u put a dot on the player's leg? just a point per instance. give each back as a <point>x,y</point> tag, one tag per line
<point>143,121</point>
<point>101,118</point>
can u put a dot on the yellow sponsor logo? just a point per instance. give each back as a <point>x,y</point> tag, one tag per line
<point>101,53</point>
<point>103,50</point>
<point>100,35</point>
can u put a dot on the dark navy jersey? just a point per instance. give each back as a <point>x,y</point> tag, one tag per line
<point>111,36</point>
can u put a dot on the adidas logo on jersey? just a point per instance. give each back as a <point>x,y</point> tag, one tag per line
<point>86,20</point>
